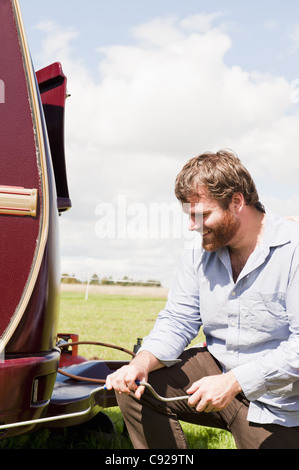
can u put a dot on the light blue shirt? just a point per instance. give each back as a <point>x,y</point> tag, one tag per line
<point>251,325</point>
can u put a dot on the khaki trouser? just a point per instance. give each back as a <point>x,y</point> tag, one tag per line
<point>153,424</point>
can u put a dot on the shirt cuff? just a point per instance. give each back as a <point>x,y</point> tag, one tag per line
<point>169,362</point>
<point>252,383</point>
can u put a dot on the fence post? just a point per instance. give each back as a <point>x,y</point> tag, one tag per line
<point>87,289</point>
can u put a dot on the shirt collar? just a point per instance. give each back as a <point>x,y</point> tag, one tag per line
<point>276,230</point>
<point>276,234</point>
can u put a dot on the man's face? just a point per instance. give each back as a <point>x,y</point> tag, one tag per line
<point>218,227</point>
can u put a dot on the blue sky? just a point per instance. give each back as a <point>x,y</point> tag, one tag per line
<point>260,30</point>
<point>153,83</point>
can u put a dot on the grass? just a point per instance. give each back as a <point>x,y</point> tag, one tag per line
<point>118,320</point>
<point>113,319</point>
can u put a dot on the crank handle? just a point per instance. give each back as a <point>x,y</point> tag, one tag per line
<point>151,389</point>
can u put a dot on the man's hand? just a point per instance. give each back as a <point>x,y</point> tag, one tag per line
<point>124,379</point>
<point>213,393</point>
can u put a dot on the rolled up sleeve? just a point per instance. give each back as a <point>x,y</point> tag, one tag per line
<point>279,367</point>
<point>179,322</point>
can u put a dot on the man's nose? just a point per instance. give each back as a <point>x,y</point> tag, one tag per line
<point>195,223</point>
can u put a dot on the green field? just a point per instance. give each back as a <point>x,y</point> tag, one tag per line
<point>119,320</point>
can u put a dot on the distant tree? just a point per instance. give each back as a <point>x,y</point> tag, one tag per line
<point>69,279</point>
<point>107,281</point>
<point>126,281</point>
<point>153,283</point>
<point>94,279</point>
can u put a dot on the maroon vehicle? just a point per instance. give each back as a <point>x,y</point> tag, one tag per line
<point>34,359</point>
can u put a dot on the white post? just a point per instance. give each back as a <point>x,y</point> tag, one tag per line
<point>87,288</point>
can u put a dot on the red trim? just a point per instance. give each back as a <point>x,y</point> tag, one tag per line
<point>24,192</point>
<point>14,209</point>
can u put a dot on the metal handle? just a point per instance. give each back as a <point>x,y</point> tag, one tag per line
<point>151,389</point>
<point>84,412</point>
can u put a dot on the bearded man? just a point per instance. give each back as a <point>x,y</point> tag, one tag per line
<point>241,284</point>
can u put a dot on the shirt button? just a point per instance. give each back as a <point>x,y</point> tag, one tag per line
<point>233,294</point>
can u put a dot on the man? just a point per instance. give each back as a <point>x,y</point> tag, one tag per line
<point>242,286</point>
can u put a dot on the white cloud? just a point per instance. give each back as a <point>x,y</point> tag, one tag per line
<point>200,23</point>
<point>57,42</point>
<point>154,105</point>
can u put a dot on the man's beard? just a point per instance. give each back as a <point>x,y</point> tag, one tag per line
<point>223,233</point>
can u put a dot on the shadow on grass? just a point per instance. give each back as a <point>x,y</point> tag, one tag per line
<point>198,437</point>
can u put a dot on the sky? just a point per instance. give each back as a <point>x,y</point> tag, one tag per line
<point>154,83</point>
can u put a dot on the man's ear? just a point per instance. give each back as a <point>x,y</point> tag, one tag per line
<point>237,202</point>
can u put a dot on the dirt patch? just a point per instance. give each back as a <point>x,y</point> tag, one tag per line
<point>116,290</point>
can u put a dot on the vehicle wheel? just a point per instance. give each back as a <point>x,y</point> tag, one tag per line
<point>101,423</point>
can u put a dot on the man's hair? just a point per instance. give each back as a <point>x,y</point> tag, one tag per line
<point>222,174</point>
